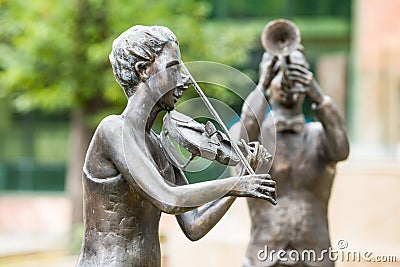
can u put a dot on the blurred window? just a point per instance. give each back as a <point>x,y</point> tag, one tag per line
<point>33,151</point>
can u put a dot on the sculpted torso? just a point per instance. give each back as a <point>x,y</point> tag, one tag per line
<point>304,176</point>
<point>122,226</point>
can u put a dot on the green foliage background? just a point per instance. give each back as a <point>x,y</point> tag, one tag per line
<point>54,54</point>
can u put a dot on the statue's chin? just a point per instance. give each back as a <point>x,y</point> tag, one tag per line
<point>167,107</point>
<point>289,103</point>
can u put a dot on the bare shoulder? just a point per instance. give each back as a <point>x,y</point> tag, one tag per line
<point>108,133</point>
<point>100,156</point>
<point>110,128</point>
<point>315,127</point>
<point>314,132</point>
<point>111,125</point>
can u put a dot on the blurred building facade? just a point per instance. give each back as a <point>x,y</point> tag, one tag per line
<point>375,97</point>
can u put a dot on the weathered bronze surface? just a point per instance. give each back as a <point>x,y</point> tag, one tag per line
<point>305,157</point>
<point>129,180</point>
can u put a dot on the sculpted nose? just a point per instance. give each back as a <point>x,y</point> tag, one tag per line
<point>179,82</point>
<point>185,81</point>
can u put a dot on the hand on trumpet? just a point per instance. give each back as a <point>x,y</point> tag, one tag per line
<point>268,72</point>
<point>294,77</point>
<point>300,78</point>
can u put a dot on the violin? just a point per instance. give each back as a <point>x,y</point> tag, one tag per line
<point>202,140</point>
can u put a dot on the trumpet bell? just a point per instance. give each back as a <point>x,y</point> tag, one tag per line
<point>280,37</point>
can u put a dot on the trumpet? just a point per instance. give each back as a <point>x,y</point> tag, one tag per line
<point>279,38</point>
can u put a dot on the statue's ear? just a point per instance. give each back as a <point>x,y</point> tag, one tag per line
<point>141,69</point>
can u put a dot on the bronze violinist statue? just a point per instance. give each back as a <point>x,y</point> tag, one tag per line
<point>305,157</point>
<point>129,180</point>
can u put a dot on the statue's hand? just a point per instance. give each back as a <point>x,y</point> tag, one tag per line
<point>256,154</point>
<point>256,186</point>
<point>268,73</point>
<point>300,76</point>
<point>303,82</point>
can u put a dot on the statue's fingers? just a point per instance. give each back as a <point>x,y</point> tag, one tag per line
<point>266,197</point>
<point>300,67</point>
<point>296,73</point>
<point>269,182</point>
<point>246,146</point>
<point>269,189</point>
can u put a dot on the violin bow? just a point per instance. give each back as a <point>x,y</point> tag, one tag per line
<point>216,116</point>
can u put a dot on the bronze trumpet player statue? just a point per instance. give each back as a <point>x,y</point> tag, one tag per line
<point>129,177</point>
<point>305,157</point>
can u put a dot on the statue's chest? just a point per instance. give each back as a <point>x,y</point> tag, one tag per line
<point>293,162</point>
<point>298,160</point>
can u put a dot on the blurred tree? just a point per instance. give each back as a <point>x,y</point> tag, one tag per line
<point>54,57</point>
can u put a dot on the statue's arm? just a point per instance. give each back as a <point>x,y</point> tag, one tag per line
<point>136,167</point>
<point>252,114</point>
<point>256,104</point>
<point>334,136</point>
<point>198,222</point>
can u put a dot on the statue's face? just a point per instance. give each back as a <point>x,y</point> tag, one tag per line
<point>165,78</point>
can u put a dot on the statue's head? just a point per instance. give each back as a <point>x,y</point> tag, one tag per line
<point>275,91</point>
<point>148,54</point>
